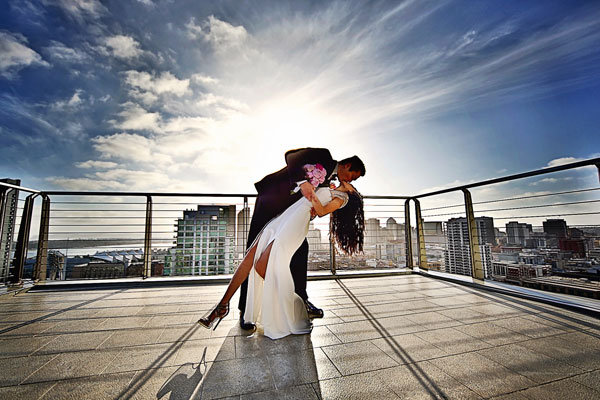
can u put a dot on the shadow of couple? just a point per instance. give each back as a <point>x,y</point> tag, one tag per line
<point>185,382</point>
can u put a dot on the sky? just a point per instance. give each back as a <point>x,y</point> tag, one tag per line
<point>206,96</point>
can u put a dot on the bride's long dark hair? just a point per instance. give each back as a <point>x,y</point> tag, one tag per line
<point>348,225</point>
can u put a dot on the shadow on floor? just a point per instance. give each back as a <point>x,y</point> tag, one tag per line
<point>424,380</point>
<point>184,384</point>
<point>258,366</point>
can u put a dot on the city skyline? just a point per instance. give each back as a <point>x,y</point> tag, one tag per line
<point>202,97</point>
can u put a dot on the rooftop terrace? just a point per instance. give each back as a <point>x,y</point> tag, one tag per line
<point>407,336</point>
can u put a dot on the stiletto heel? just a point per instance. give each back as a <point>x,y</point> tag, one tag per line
<point>217,314</point>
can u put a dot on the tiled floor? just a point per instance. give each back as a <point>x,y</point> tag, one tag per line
<point>395,337</point>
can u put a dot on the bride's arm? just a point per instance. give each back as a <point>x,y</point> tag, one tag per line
<point>322,210</point>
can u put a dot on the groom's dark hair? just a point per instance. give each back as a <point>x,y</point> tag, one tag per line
<point>356,164</point>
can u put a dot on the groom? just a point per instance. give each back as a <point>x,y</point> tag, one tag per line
<point>281,189</point>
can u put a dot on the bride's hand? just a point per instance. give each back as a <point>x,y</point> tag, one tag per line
<point>348,187</point>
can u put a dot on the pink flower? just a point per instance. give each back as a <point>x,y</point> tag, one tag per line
<point>315,174</point>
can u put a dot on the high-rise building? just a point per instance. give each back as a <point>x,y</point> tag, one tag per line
<point>205,242</point>
<point>433,228</point>
<point>556,227</point>
<point>315,239</point>
<point>458,251</point>
<point>487,234</point>
<point>7,225</point>
<point>518,233</point>
<point>243,228</point>
<point>576,246</point>
<point>372,232</point>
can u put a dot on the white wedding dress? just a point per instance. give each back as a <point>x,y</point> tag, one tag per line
<point>272,302</point>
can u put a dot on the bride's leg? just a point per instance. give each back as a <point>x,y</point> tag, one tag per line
<point>222,309</point>
<point>261,264</point>
<point>241,273</point>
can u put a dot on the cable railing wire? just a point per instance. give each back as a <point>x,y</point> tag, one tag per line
<point>513,198</point>
<point>519,208</point>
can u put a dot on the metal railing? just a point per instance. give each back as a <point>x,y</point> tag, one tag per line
<point>204,233</point>
<point>92,235</point>
<point>461,236</point>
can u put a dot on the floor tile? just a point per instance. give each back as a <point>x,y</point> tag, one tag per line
<point>480,374</point>
<point>352,358</point>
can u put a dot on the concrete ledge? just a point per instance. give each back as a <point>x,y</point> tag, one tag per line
<point>165,281</point>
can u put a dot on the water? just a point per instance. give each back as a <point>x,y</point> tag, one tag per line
<point>84,251</point>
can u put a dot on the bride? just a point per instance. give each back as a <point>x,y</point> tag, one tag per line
<point>271,299</point>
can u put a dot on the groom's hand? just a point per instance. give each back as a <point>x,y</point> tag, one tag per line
<point>313,214</point>
<point>307,190</point>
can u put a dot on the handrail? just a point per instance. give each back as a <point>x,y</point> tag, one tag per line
<point>8,185</point>
<point>143,194</point>
<point>585,163</point>
<point>170,194</point>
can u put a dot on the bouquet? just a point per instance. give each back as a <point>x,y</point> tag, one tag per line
<point>315,174</point>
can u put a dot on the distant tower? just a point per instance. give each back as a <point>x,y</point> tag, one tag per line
<point>458,251</point>
<point>556,227</point>
<point>7,225</point>
<point>555,230</point>
<point>518,233</point>
<point>205,242</point>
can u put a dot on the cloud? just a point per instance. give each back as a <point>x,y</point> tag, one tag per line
<point>134,117</point>
<point>562,161</point>
<point>73,103</point>
<point>202,79</point>
<point>551,180</point>
<point>96,164</point>
<point>120,145</point>
<point>60,52</point>
<point>124,47</point>
<point>220,34</point>
<point>148,86</point>
<point>16,55</point>
<point>85,183</point>
<point>80,10</point>
<point>221,103</point>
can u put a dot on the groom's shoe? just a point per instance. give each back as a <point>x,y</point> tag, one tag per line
<point>313,312</point>
<point>247,326</point>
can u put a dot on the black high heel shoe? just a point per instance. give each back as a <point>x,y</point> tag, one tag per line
<point>217,314</point>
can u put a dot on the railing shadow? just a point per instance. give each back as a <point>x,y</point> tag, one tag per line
<point>536,309</point>
<point>58,312</point>
<point>424,380</point>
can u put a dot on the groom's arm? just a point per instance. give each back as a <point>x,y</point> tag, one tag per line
<point>297,159</point>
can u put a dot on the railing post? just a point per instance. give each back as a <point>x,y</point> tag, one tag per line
<point>147,271</point>
<point>420,237</point>
<point>4,246</point>
<point>3,196</point>
<point>331,250</point>
<point>476,263</point>
<point>407,235</point>
<point>245,227</point>
<point>22,240</point>
<point>41,260</point>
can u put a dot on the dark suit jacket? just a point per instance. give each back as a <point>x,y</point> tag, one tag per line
<point>275,188</point>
